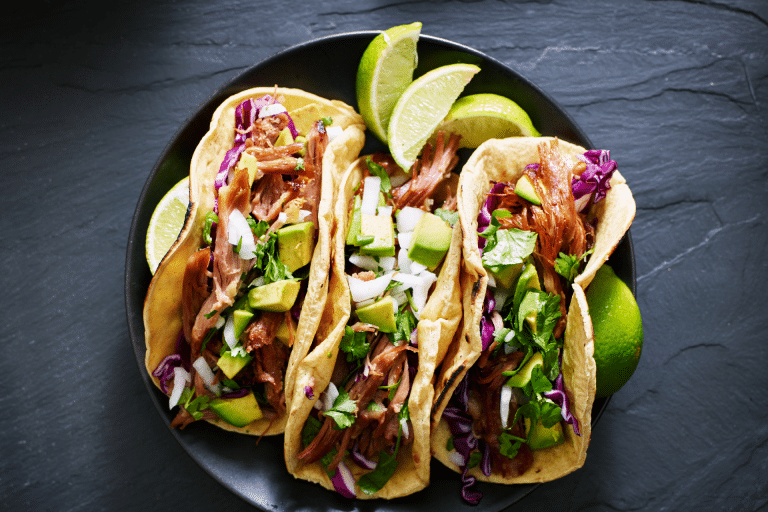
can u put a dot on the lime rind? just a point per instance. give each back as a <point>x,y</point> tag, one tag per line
<point>166,223</point>
<point>422,107</point>
<point>385,71</point>
<point>480,117</point>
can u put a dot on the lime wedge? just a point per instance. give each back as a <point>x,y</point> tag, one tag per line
<point>480,117</point>
<point>166,223</point>
<point>385,70</point>
<point>422,106</point>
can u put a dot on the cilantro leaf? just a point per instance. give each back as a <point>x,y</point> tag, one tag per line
<point>405,322</point>
<point>508,247</point>
<point>343,410</point>
<point>268,261</point>
<point>210,219</point>
<point>376,479</point>
<point>567,265</point>
<point>509,444</point>
<point>354,344</point>
<point>377,170</point>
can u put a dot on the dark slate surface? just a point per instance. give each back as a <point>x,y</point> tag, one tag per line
<point>92,92</point>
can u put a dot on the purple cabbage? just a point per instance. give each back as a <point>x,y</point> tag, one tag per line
<point>237,393</point>
<point>343,481</point>
<point>246,114</point>
<point>164,370</point>
<point>484,217</point>
<point>309,392</point>
<point>558,396</point>
<point>597,176</point>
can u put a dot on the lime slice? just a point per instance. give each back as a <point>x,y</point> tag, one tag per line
<point>423,105</point>
<point>385,70</point>
<point>480,117</point>
<point>166,223</point>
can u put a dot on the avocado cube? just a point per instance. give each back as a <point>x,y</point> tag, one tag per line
<point>525,189</point>
<point>230,364</point>
<point>354,223</point>
<point>528,280</point>
<point>505,275</point>
<point>237,411</point>
<point>541,437</point>
<point>285,138</point>
<point>283,334</point>
<point>295,244</point>
<point>430,241</point>
<point>523,376</point>
<point>382,229</point>
<point>241,318</point>
<point>278,296</point>
<point>381,314</point>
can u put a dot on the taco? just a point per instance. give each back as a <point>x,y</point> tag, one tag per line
<point>515,395</point>
<point>230,305</point>
<point>359,419</point>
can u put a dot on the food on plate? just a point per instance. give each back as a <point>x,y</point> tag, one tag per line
<point>359,420</point>
<point>232,303</point>
<point>515,392</point>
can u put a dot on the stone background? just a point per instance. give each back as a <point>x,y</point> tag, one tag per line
<point>91,93</point>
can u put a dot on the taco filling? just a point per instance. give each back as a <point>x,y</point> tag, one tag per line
<point>399,230</point>
<point>533,237</point>
<point>243,290</point>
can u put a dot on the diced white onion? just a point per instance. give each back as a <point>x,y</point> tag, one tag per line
<point>407,219</point>
<point>403,261</point>
<point>333,132</point>
<point>303,214</point>
<point>387,262</point>
<point>207,375</point>
<point>282,217</point>
<point>404,239</point>
<point>180,379</point>
<point>363,290</point>
<point>417,268</point>
<point>271,110</point>
<point>456,458</point>
<point>370,200</point>
<point>408,279</point>
<point>364,261</point>
<point>384,211</point>
<point>421,291</point>
<point>229,332</point>
<point>219,323</point>
<point>506,396</point>
<point>238,229</point>
<point>404,424</point>
<point>329,396</point>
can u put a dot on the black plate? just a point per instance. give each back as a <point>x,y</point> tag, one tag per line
<point>326,67</point>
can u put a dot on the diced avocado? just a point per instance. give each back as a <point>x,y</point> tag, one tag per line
<point>302,140</point>
<point>522,377</point>
<point>354,223</point>
<point>242,303</point>
<point>525,189</point>
<point>381,314</point>
<point>283,334</point>
<point>382,229</point>
<point>278,296</point>
<point>295,244</point>
<point>507,274</point>
<point>241,318</point>
<point>285,138</point>
<point>540,437</point>
<point>430,240</point>
<point>529,307</point>
<point>231,364</point>
<point>528,279</point>
<point>237,411</point>
<point>249,162</point>
<point>305,116</point>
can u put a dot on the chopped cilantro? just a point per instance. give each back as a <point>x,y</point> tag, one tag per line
<point>509,444</point>
<point>354,344</point>
<point>210,219</point>
<point>327,121</point>
<point>567,265</point>
<point>343,410</point>
<point>451,217</point>
<point>508,247</point>
<point>299,164</point>
<point>405,321</point>
<point>377,170</point>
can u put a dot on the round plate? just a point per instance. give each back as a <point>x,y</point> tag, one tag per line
<point>326,67</point>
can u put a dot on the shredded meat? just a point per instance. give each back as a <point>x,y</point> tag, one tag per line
<point>194,288</point>
<point>262,332</point>
<point>227,264</point>
<point>560,228</point>
<point>311,179</point>
<point>270,195</point>
<point>428,173</point>
<point>372,430</point>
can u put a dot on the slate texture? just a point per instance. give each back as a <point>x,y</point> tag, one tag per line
<point>91,93</point>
